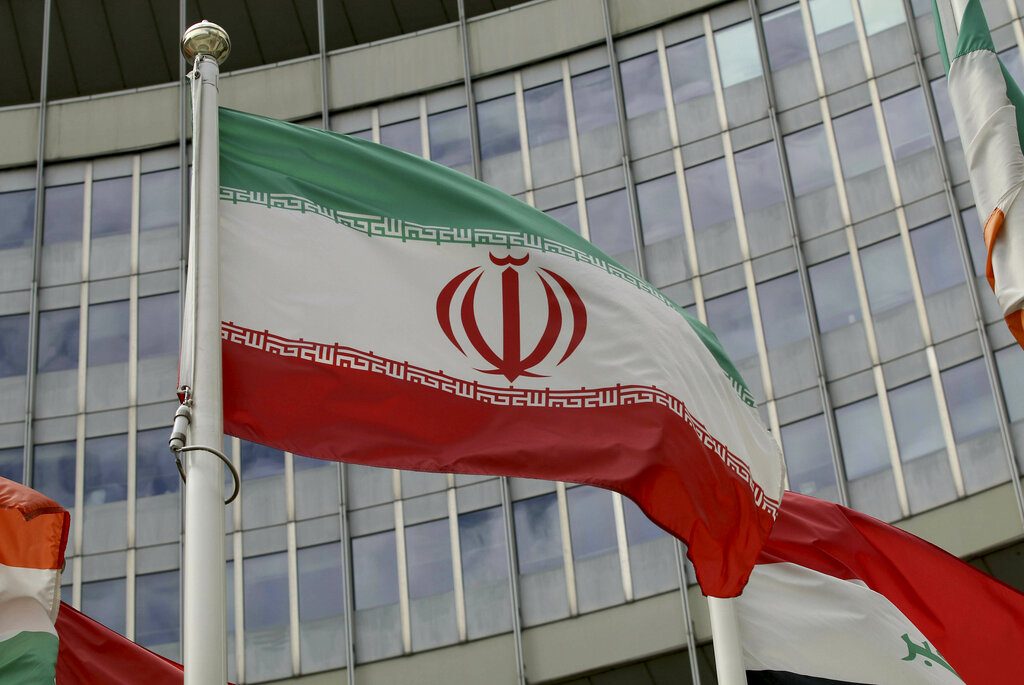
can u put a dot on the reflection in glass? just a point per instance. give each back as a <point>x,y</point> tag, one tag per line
<point>62,213</point>
<point>499,127</point>
<point>375,570</point>
<point>944,108</point>
<point>729,317</point>
<point>428,554</point>
<point>155,473</point>
<point>484,571</point>
<point>662,225</point>
<point>53,472</point>
<point>784,37</point>
<point>738,57</point>
<point>108,333</point>
<point>538,536</point>
<point>404,135</point>
<point>885,275</point>
<point>689,70</point>
<point>17,218</point>
<point>906,118</point>
<point>591,522</point>
<point>58,340</point>
<point>880,15</point>
<point>641,85</point>
<point>710,183</point>
<point>805,445</point>
<point>567,215</point>
<point>449,138</point>
<point>833,24</point>
<point>158,325</point>
<point>610,227</point>
<point>106,469</point>
<point>546,120</point>
<point>265,594</point>
<point>10,463</point>
<point>321,607</point>
<point>111,206</point>
<point>160,198</point>
<point>157,613</point>
<point>104,601</point>
<point>1010,58</point>
<point>1010,364</point>
<point>593,100</point>
<point>760,178</point>
<point>938,261</point>
<point>862,438</point>
<point>916,418</point>
<point>783,312</point>
<point>13,345</point>
<point>972,409</point>
<point>835,293</point>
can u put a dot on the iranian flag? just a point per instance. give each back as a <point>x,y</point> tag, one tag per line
<point>989,109</point>
<point>33,534</point>
<point>381,309</point>
<point>840,598</point>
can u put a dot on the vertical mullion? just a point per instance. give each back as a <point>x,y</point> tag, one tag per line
<point>524,141</point>
<point>456,554</point>
<point>567,560</point>
<point>623,546</point>
<point>574,151</point>
<point>293,565</point>
<point>403,568</point>
<point>346,575</point>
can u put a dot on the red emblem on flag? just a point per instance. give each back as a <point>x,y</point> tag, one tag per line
<point>512,362</point>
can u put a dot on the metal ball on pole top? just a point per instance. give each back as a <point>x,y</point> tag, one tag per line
<point>205,45</point>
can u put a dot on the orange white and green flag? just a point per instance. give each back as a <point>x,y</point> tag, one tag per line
<point>989,109</point>
<point>33,535</point>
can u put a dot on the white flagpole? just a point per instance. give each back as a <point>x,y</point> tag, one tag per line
<point>205,45</point>
<point>725,632</point>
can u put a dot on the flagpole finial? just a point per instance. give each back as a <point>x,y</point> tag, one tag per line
<point>206,38</point>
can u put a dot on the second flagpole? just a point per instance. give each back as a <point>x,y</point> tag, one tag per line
<point>205,45</point>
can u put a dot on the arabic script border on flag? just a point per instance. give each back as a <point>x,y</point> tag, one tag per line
<point>333,354</point>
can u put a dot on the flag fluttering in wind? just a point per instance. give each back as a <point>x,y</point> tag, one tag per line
<point>33,534</point>
<point>839,597</point>
<point>989,109</point>
<point>381,309</point>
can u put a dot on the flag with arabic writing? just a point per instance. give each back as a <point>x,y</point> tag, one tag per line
<point>381,309</point>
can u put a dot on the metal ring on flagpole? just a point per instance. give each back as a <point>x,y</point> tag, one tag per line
<point>220,455</point>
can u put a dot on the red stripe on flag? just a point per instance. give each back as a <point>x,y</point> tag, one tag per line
<point>643,450</point>
<point>975,621</point>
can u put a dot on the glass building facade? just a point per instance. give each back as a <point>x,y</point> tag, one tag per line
<point>790,173</point>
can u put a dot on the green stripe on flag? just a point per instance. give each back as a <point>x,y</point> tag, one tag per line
<point>28,658</point>
<point>940,36</point>
<point>291,167</point>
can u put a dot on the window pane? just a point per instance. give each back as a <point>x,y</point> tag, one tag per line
<point>784,37</point>
<point>783,312</point>
<point>449,138</point>
<point>593,100</point>
<point>1010,363</point>
<point>155,472</point>
<point>1012,61</point>
<point>321,607</point>
<point>885,275</point>
<point>265,593</point>
<point>880,15</point>
<point>259,461</point>
<point>546,120</point>
<point>729,317</point>
<point>62,214</point>
<point>375,570</point>
<point>106,469</point>
<point>738,58</point>
<point>538,535</point>
<point>662,225</point>
<point>944,108</point>
<point>58,340</point>
<point>160,198</point>
<point>108,333</point>
<point>833,24</point>
<point>10,463</point>
<point>499,127</point>
<point>405,135</point>
<point>53,472</point>
<point>594,547</point>
<point>862,438</point>
<point>158,325</point>
<point>567,215</point>
<point>111,206</point>
<point>808,157</point>
<point>975,239</point>
<point>610,226</point>
<point>760,178</point>
<point>485,571</point>
<point>937,256</point>
<point>641,85</point>
<point>689,70</point>
<point>916,418</point>
<point>805,445</point>
<point>157,613</point>
<point>710,183</point>
<point>857,140</point>
<point>906,118</point>
<point>428,553</point>
<point>972,409</point>
<point>104,601</point>
<point>17,218</point>
<point>835,293</point>
<point>13,345</point>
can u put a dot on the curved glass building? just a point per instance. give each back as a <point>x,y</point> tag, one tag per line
<point>790,172</point>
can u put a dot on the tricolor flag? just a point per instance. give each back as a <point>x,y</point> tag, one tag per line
<point>839,598</point>
<point>33,534</point>
<point>989,109</point>
<point>381,309</point>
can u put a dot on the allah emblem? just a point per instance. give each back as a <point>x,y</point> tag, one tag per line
<point>563,329</point>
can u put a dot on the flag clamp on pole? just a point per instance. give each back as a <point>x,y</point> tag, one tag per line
<point>206,46</point>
